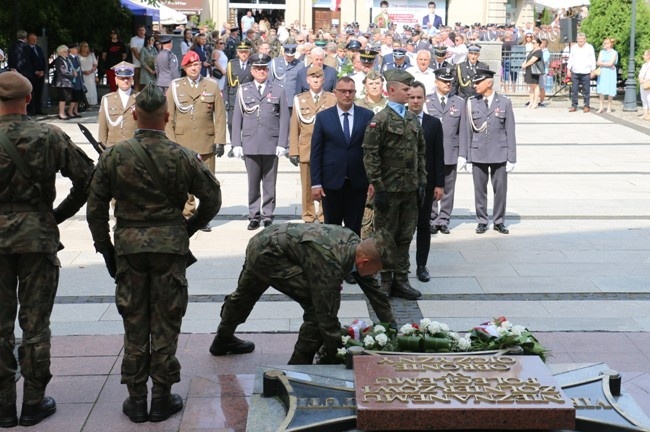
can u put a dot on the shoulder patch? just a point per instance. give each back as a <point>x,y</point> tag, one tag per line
<point>198,156</point>
<point>372,124</point>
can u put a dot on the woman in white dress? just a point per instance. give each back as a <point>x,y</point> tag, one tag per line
<point>88,63</point>
<point>220,62</point>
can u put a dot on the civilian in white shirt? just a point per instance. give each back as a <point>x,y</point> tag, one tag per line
<point>459,51</point>
<point>580,68</point>
<point>422,72</point>
<point>136,44</point>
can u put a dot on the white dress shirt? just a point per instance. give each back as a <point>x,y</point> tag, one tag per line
<point>582,60</point>
<point>428,78</point>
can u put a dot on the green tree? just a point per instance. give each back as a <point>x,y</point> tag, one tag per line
<point>611,19</point>
<point>547,17</point>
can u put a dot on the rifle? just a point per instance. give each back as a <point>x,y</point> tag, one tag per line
<point>99,147</point>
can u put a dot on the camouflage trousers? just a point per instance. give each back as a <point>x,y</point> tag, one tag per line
<point>400,220</point>
<point>151,296</point>
<point>36,277</point>
<point>269,268</point>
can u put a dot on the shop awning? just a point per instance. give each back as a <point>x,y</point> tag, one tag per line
<point>160,14</point>
<point>188,7</point>
<point>138,8</point>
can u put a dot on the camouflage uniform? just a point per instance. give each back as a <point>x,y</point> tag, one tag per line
<point>306,262</point>
<point>394,160</point>
<point>30,240</point>
<point>151,244</point>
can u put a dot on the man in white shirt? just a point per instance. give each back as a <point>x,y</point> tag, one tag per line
<point>459,51</point>
<point>580,68</point>
<point>136,44</point>
<point>422,72</point>
<point>247,22</point>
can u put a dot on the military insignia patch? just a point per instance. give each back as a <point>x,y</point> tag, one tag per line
<point>372,124</point>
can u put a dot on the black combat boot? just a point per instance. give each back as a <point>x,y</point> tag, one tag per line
<point>223,345</point>
<point>33,414</point>
<point>403,289</point>
<point>135,409</point>
<point>8,417</point>
<point>162,408</point>
<point>386,282</point>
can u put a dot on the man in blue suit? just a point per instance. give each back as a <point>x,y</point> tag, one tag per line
<point>338,176</point>
<point>431,19</point>
<point>317,56</point>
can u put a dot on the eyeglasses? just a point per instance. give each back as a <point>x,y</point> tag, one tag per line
<point>345,91</point>
<point>300,41</point>
<point>221,43</point>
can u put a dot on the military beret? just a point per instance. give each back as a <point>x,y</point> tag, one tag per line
<point>353,45</point>
<point>124,69</point>
<point>260,60</point>
<point>165,39</point>
<point>290,49</point>
<point>398,53</point>
<point>190,57</point>
<point>444,74</point>
<point>368,55</point>
<point>373,75</point>
<point>440,51</point>
<point>474,48</point>
<point>244,46</point>
<point>315,71</point>
<point>399,75</point>
<point>14,86</point>
<point>482,74</point>
<point>150,98</point>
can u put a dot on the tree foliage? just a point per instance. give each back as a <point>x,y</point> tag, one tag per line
<point>612,19</point>
<point>547,17</point>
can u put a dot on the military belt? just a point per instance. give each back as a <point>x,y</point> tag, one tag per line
<point>397,163</point>
<point>122,223</point>
<point>10,207</point>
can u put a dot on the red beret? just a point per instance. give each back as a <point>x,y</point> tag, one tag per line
<point>190,57</point>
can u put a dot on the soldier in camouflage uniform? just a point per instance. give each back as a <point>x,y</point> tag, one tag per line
<point>149,258</point>
<point>307,262</point>
<point>30,240</point>
<point>394,159</point>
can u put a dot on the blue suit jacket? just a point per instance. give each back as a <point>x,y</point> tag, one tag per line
<point>328,85</point>
<point>435,151</point>
<point>332,160</point>
<point>437,21</point>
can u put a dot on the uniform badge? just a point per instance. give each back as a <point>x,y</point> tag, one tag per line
<point>198,156</point>
<point>202,98</point>
<point>372,124</point>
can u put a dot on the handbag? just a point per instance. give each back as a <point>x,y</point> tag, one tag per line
<point>537,68</point>
<point>216,73</point>
<point>597,71</point>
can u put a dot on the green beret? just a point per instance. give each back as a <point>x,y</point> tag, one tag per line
<point>14,86</point>
<point>150,98</point>
<point>373,75</point>
<point>399,75</point>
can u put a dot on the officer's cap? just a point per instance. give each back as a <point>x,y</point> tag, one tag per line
<point>234,28</point>
<point>415,32</point>
<point>315,71</point>
<point>372,26</point>
<point>290,49</point>
<point>150,98</point>
<point>398,53</point>
<point>261,60</point>
<point>165,39</point>
<point>373,75</point>
<point>124,69</point>
<point>320,42</point>
<point>440,51</point>
<point>406,27</point>
<point>190,57</point>
<point>444,74</point>
<point>399,75</point>
<point>474,48</point>
<point>244,46</point>
<point>73,45</point>
<point>482,74</point>
<point>353,45</point>
<point>14,86</point>
<point>355,24</point>
<point>368,55</point>
<point>411,42</point>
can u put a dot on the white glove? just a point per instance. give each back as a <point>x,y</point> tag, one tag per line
<point>510,166</point>
<point>280,151</point>
<point>461,163</point>
<point>238,152</point>
<point>468,167</point>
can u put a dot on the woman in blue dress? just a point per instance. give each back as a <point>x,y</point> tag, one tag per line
<point>606,86</point>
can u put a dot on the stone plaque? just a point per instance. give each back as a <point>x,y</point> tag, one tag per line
<point>432,392</point>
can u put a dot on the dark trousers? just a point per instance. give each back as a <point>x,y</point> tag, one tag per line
<point>261,169</point>
<point>30,279</point>
<point>443,216</point>
<point>497,174</point>
<point>345,206</point>
<point>423,234</point>
<point>580,80</point>
<point>35,106</point>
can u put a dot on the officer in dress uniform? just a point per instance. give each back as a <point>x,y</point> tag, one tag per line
<point>439,58</point>
<point>465,71</point>
<point>284,71</point>
<point>238,72</point>
<point>307,105</point>
<point>448,110</point>
<point>230,48</point>
<point>260,135</point>
<point>488,148</point>
<point>116,122</point>
<point>397,60</point>
<point>197,117</point>
<point>166,64</point>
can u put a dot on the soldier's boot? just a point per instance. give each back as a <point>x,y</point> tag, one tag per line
<point>136,409</point>
<point>386,282</point>
<point>164,407</point>
<point>8,416</point>
<point>402,288</point>
<point>298,358</point>
<point>222,345</point>
<point>34,414</point>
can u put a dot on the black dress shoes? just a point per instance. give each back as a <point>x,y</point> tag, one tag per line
<point>224,345</point>
<point>207,228</point>
<point>350,279</point>
<point>434,228</point>
<point>423,274</point>
<point>33,414</point>
<point>481,228</point>
<point>501,228</point>
<point>163,408</point>
<point>253,225</point>
<point>8,417</point>
<point>136,409</point>
<point>268,222</point>
<point>443,229</point>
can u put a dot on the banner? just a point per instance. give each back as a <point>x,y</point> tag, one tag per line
<point>409,12</point>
